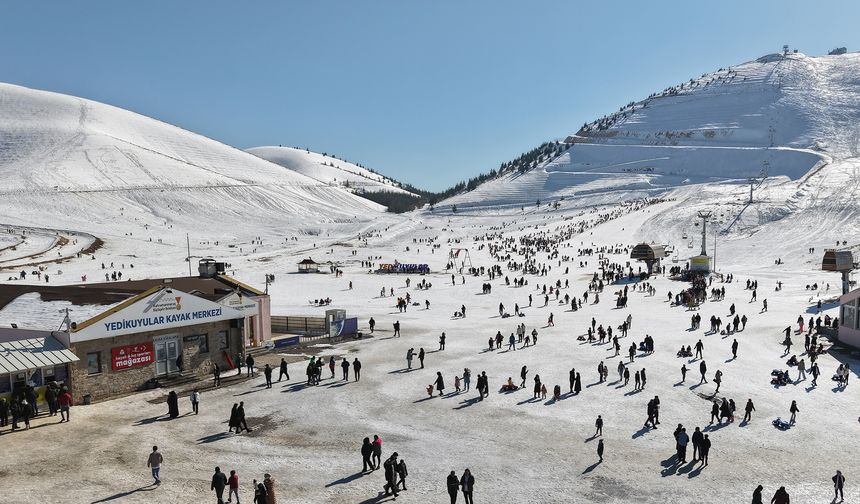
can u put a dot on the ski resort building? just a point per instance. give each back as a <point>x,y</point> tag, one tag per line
<point>849,322</point>
<point>128,336</point>
<point>33,358</point>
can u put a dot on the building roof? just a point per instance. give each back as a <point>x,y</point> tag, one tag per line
<point>34,353</point>
<point>111,293</point>
<point>308,261</point>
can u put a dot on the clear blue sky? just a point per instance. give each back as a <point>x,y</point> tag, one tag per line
<point>429,92</point>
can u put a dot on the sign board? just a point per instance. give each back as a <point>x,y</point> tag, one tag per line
<point>130,356</point>
<point>244,304</point>
<point>165,309</point>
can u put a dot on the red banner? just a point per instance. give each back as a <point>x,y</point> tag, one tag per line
<point>129,356</point>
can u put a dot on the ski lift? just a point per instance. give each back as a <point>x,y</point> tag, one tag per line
<point>684,235</point>
<point>690,244</point>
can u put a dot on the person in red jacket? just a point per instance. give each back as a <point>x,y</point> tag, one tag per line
<point>65,405</point>
<point>233,483</point>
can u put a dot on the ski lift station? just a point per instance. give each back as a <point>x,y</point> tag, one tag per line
<point>841,261</point>
<point>650,254</point>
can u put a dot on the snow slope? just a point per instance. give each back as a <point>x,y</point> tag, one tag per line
<point>777,115</point>
<point>106,170</point>
<point>328,170</point>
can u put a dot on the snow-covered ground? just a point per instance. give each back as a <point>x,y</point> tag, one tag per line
<point>520,450</point>
<point>79,175</point>
<point>776,115</point>
<point>328,169</point>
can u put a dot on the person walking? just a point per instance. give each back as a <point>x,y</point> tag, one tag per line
<point>421,357</point>
<point>453,484</point>
<point>219,482</point>
<point>240,418</point>
<point>598,425</point>
<point>683,372</point>
<point>366,453</point>
<point>233,484</point>
<point>838,484</point>
<point>216,375</point>
<point>794,411</point>
<point>267,372</point>
<point>65,406</point>
<point>600,450</point>
<point>154,462</point>
<point>269,483</point>
<point>748,409</point>
<point>440,383</point>
<point>409,355</point>
<point>283,370</point>
<point>703,368</point>
<point>467,485</point>
<point>195,401</point>
<point>390,467</point>
<point>781,497</point>
<point>376,459</point>
<point>756,498</point>
<point>735,349</point>
<point>402,472</point>
<point>442,342</point>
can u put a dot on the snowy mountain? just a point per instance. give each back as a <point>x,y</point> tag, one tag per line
<point>77,164</point>
<point>779,116</point>
<point>329,170</point>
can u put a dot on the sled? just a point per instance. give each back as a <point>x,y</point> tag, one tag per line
<point>781,424</point>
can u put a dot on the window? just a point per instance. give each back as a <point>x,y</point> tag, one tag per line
<point>94,363</point>
<point>223,340</point>
<point>203,343</point>
<point>848,315</point>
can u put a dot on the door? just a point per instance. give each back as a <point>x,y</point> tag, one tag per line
<point>166,352</point>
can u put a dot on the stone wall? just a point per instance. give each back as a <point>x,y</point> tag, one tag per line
<point>109,383</point>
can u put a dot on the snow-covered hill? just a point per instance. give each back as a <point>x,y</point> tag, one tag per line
<point>329,170</point>
<point>72,163</point>
<point>780,115</point>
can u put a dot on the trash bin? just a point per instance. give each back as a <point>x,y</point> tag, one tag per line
<point>88,399</point>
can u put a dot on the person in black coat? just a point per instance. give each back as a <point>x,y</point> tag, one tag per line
<point>366,452</point>
<point>756,499</point>
<point>390,467</point>
<point>240,418</point>
<point>356,369</point>
<point>704,450</point>
<point>577,385</point>
<point>267,371</point>
<point>440,383</point>
<point>697,443</point>
<point>467,485</point>
<point>233,423</point>
<point>219,482</point>
<point>453,484</point>
<point>172,404</point>
<point>4,412</point>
